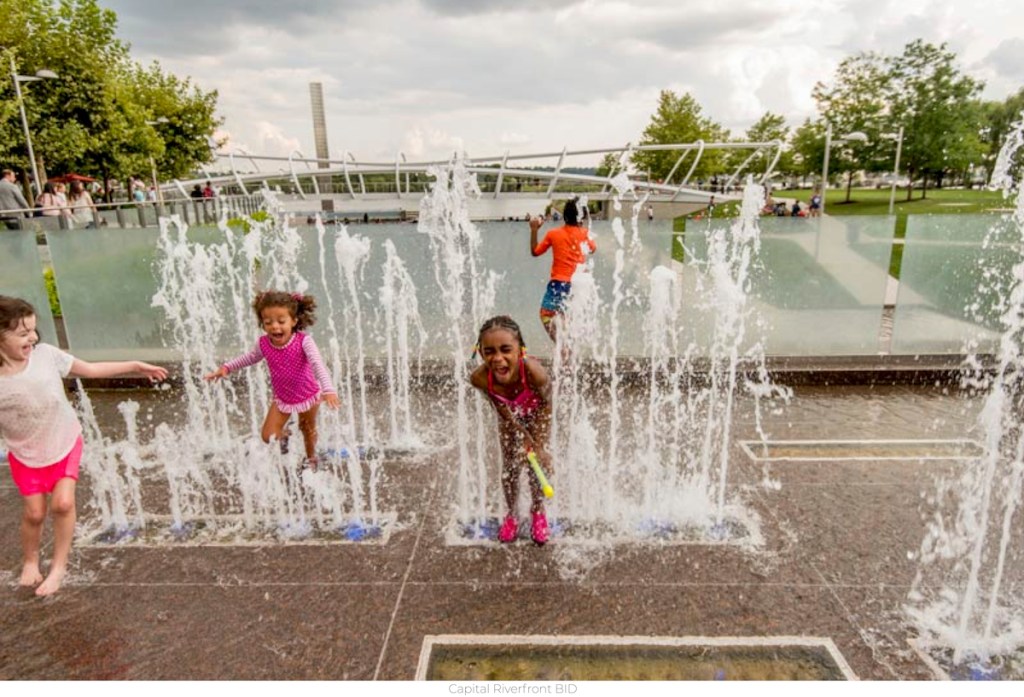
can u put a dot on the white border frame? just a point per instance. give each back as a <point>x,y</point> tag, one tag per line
<point>733,513</point>
<point>927,659</point>
<point>388,522</point>
<point>432,640</point>
<point>746,445</point>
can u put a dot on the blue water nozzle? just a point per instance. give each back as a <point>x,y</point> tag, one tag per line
<point>357,531</point>
<point>719,531</point>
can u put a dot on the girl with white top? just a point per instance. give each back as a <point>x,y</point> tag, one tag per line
<point>42,433</point>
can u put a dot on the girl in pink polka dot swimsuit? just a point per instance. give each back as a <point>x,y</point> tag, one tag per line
<point>297,373</point>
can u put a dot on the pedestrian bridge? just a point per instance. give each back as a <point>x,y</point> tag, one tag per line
<point>512,185</point>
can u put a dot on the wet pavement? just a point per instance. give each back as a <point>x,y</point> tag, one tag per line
<point>834,563</point>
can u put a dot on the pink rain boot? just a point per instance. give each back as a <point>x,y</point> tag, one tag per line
<point>539,531</point>
<point>509,529</point>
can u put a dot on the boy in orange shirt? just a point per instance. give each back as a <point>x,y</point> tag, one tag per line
<point>567,245</point>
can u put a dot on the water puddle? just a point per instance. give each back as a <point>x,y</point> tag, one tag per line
<point>939,659</point>
<point>843,450</point>
<point>732,530</point>
<point>237,531</point>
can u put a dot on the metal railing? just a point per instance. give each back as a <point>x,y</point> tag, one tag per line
<point>348,176</point>
<point>193,211</point>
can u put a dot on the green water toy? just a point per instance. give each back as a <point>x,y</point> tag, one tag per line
<point>544,485</point>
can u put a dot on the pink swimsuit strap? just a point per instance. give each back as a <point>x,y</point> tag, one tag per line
<point>524,403</point>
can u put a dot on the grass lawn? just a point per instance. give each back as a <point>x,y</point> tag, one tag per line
<point>876,202</point>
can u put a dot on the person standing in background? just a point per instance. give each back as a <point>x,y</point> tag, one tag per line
<point>11,199</point>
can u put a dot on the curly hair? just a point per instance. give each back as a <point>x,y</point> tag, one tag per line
<point>301,307</point>
<point>13,312</point>
<point>501,322</point>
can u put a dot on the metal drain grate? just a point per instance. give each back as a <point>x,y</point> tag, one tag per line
<point>467,657</point>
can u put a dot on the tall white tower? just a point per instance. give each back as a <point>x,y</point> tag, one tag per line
<point>316,96</point>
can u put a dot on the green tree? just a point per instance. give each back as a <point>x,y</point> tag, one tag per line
<point>770,127</point>
<point>93,118</point>
<point>76,40</point>
<point>610,165</point>
<point>855,103</point>
<point>184,140</point>
<point>678,119</point>
<point>807,148</point>
<point>937,107</point>
<point>998,119</point>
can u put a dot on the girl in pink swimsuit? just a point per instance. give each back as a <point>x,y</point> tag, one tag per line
<point>297,373</point>
<point>520,390</point>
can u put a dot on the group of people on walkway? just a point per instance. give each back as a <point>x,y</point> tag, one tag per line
<point>74,202</point>
<point>795,209</point>
<point>76,205</point>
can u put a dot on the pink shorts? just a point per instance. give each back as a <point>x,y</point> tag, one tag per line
<point>41,480</point>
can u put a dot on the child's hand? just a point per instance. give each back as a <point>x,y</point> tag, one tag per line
<point>153,372</point>
<point>332,400</point>
<point>535,223</point>
<point>217,374</point>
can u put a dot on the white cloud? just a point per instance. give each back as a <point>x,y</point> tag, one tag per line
<point>1007,59</point>
<point>272,140</point>
<point>428,77</point>
<point>511,139</point>
<point>426,142</point>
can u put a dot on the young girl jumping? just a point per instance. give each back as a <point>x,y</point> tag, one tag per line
<point>42,433</point>
<point>298,376</point>
<point>520,391</point>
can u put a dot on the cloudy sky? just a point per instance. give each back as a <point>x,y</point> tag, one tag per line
<point>426,77</point>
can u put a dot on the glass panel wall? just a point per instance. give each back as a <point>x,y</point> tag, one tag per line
<point>817,287</point>
<point>21,276</point>
<point>520,278</point>
<point>106,284</point>
<point>951,282</point>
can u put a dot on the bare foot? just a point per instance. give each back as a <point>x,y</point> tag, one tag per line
<point>30,575</point>
<point>52,583</point>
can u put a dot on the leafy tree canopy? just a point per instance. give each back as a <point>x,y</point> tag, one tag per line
<point>998,120</point>
<point>920,90</point>
<point>770,127</point>
<point>93,118</point>
<point>678,119</point>
<point>938,108</point>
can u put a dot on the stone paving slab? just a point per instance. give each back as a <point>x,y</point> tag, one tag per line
<point>833,563</point>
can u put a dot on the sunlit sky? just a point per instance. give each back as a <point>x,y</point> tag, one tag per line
<point>428,77</point>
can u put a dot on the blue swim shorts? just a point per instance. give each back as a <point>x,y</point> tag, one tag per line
<point>555,296</point>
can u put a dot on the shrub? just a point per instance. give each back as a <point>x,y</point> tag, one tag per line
<point>51,292</point>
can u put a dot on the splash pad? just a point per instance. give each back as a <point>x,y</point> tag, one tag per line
<point>219,482</point>
<point>815,525</point>
<point>966,600</point>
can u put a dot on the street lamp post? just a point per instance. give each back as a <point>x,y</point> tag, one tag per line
<point>895,167</point>
<point>849,137</point>
<point>18,79</point>
<point>152,161</point>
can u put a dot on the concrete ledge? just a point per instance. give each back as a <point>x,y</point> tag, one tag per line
<point>785,370</point>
